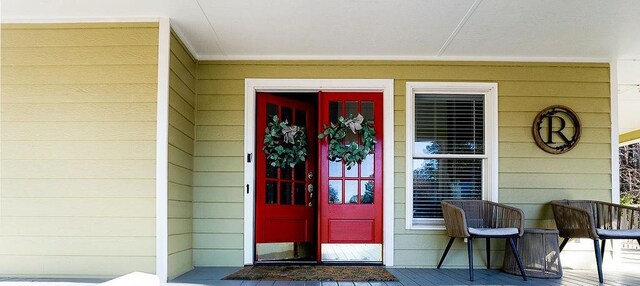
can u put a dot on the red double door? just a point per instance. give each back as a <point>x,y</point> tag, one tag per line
<point>319,201</point>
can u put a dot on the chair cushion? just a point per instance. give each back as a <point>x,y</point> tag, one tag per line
<point>505,231</point>
<point>623,233</point>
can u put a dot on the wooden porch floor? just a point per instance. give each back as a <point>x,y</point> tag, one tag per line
<point>419,276</point>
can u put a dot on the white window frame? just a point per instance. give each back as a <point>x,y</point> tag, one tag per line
<point>490,162</point>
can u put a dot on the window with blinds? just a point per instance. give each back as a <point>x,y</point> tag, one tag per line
<point>448,151</point>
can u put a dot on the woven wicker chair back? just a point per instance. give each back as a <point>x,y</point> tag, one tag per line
<point>481,214</point>
<point>601,215</point>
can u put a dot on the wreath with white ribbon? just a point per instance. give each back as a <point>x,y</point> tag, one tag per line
<point>284,144</point>
<point>352,153</point>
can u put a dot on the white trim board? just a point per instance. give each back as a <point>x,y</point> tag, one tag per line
<point>615,159</point>
<point>81,20</point>
<point>634,141</point>
<point>490,186</point>
<point>615,134</point>
<point>396,58</point>
<point>313,85</point>
<point>162,150</point>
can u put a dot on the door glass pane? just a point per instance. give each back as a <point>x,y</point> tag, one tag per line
<point>335,191</point>
<point>335,110</point>
<point>367,191</point>
<point>351,108</point>
<point>285,173</point>
<point>351,191</point>
<point>367,166</point>
<point>366,109</point>
<point>299,194</point>
<point>285,193</point>
<point>351,172</point>
<point>272,172</point>
<point>301,118</point>
<point>287,114</point>
<point>272,110</point>
<point>272,193</point>
<point>299,172</point>
<point>350,138</point>
<point>335,169</point>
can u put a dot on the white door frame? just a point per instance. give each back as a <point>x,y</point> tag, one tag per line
<point>314,85</point>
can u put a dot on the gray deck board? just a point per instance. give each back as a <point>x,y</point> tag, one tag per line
<point>406,277</point>
<point>429,277</point>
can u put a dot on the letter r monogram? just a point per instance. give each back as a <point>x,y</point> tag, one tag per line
<point>559,131</point>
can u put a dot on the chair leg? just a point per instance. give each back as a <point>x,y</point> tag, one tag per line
<point>596,246</point>
<point>488,253</point>
<point>470,251</point>
<point>604,243</point>
<point>446,250</point>
<point>514,249</point>
<point>564,242</point>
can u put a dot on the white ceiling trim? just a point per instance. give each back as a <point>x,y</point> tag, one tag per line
<point>185,41</point>
<point>399,58</point>
<point>79,20</point>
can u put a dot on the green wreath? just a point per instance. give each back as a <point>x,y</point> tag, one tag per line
<point>284,144</point>
<point>353,153</point>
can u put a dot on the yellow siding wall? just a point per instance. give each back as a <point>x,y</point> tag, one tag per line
<point>528,177</point>
<point>182,100</point>
<point>629,136</point>
<point>78,135</point>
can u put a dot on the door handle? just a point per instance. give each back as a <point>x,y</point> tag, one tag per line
<point>310,190</point>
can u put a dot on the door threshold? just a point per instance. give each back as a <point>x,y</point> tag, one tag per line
<point>312,263</point>
<point>352,263</point>
<point>285,262</point>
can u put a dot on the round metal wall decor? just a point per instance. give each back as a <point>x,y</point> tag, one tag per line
<point>557,129</point>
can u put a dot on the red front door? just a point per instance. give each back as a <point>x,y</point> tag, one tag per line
<point>351,199</point>
<point>285,197</point>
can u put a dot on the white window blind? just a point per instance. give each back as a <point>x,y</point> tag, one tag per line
<point>448,150</point>
<point>449,124</point>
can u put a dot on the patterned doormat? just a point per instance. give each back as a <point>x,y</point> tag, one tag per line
<point>317,273</point>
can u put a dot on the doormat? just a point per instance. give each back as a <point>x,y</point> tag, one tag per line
<point>315,273</point>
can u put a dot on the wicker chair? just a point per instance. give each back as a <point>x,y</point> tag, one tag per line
<point>482,219</point>
<point>596,220</point>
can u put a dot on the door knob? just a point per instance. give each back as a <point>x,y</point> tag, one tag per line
<point>310,175</point>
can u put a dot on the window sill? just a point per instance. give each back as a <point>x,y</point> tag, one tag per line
<point>427,225</point>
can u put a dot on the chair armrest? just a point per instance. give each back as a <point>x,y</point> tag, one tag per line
<point>573,222</point>
<point>454,220</point>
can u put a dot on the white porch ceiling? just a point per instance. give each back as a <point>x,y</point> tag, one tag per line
<point>545,30</point>
<point>336,29</point>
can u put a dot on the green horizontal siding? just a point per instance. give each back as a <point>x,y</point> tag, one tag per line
<point>182,99</point>
<point>528,177</point>
<point>78,149</point>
